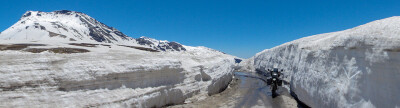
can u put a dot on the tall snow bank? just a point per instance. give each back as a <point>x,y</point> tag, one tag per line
<point>109,76</point>
<point>246,65</point>
<point>358,67</point>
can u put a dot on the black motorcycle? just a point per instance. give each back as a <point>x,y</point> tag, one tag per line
<point>275,79</point>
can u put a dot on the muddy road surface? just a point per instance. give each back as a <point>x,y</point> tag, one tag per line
<point>247,90</point>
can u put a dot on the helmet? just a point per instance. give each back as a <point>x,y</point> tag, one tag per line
<point>275,70</point>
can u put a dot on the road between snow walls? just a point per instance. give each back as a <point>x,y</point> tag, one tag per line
<point>54,74</point>
<point>354,68</point>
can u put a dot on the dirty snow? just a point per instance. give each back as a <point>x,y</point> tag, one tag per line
<point>116,76</point>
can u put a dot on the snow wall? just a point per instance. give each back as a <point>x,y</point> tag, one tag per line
<point>115,78</point>
<point>358,67</point>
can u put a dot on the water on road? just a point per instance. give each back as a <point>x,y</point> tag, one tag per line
<point>246,90</point>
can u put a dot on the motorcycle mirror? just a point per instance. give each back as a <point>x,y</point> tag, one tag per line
<point>268,70</point>
<point>281,70</point>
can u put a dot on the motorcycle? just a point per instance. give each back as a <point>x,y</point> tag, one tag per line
<point>275,79</point>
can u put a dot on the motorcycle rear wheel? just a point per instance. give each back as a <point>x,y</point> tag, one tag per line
<point>273,90</point>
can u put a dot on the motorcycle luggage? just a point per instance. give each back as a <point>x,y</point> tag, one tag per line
<point>269,81</point>
<point>280,82</point>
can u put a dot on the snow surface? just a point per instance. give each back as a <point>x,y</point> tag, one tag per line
<point>247,65</point>
<point>358,67</point>
<point>36,25</point>
<point>72,26</point>
<point>110,75</point>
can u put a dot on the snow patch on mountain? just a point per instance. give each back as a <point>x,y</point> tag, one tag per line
<point>69,26</point>
<point>358,67</point>
<point>160,45</point>
<point>62,25</point>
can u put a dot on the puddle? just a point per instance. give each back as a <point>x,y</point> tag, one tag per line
<point>245,91</point>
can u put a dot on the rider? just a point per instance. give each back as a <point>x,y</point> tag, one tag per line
<point>275,70</point>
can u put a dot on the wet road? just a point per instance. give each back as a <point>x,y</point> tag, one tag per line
<point>247,90</point>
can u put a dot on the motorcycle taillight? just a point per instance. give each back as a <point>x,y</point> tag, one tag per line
<point>274,75</point>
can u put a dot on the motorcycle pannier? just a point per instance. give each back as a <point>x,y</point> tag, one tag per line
<point>280,82</point>
<point>269,81</point>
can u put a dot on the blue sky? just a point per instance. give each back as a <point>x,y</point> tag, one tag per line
<point>238,27</point>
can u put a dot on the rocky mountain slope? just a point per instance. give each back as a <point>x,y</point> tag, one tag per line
<point>71,26</point>
<point>358,67</point>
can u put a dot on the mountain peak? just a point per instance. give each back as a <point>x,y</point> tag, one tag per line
<point>63,25</point>
<point>39,13</point>
<point>64,12</point>
<point>66,25</point>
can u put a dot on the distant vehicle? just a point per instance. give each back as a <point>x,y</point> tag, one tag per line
<point>275,79</point>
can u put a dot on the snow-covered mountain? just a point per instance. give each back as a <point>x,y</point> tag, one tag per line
<point>70,26</point>
<point>354,68</point>
<point>68,59</point>
<point>160,45</point>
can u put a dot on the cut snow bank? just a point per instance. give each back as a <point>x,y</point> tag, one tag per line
<point>358,67</point>
<point>246,65</point>
<point>109,76</point>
